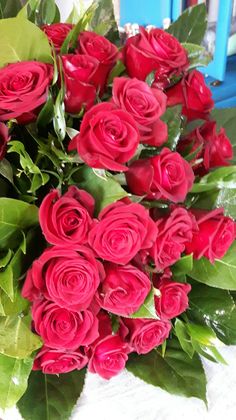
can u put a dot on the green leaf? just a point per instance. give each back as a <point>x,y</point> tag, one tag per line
<point>15,216</point>
<point>191,25</point>
<point>150,78</point>
<point>183,266</point>
<point>6,282</point>
<point>6,170</point>
<point>172,118</point>
<point>46,114</point>
<point>184,337</point>
<point>202,334</point>
<point>224,177</point>
<point>197,55</point>
<point>117,71</point>
<point>9,8</point>
<point>59,122</point>
<point>225,117</point>
<point>47,11</point>
<point>51,397</point>
<point>18,305</point>
<point>104,191</point>
<point>13,379</point>
<point>176,373</point>
<point>147,309</point>
<point>5,260</point>
<point>103,20</point>
<point>215,308</point>
<point>21,40</point>
<point>73,16</point>
<point>221,274</point>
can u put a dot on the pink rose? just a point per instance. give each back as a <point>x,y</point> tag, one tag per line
<point>108,137</point>
<point>122,231</point>
<point>123,289</point>
<point>67,277</point>
<point>57,33</point>
<point>66,219</point>
<point>54,362</point>
<point>145,104</point>
<point>143,335</point>
<point>164,176</point>
<point>61,328</point>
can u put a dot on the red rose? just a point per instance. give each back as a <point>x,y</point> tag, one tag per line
<point>154,50</point>
<point>108,357</point>
<point>61,328</point>
<point>23,89</point>
<point>145,104</point>
<point>108,137</point>
<point>215,149</point>
<point>143,335</point>
<point>4,138</point>
<point>215,235</point>
<point>66,277</point>
<point>78,72</point>
<point>164,176</point>
<point>173,299</point>
<point>193,93</point>
<point>66,219</point>
<point>57,33</point>
<point>123,229</point>
<point>174,231</point>
<point>103,50</point>
<point>54,362</point>
<point>123,289</point>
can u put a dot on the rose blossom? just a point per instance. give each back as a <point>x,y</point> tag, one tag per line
<point>81,90</point>
<point>4,138</point>
<point>61,328</point>
<point>164,176</point>
<point>57,33</point>
<point>68,278</point>
<point>123,229</point>
<point>123,289</point>
<point>173,298</point>
<point>108,137</point>
<point>108,357</point>
<point>174,231</point>
<point>143,335</point>
<point>66,219</point>
<point>215,235</point>
<point>215,148</point>
<point>154,50</point>
<point>193,93</point>
<point>54,362</point>
<point>23,89</point>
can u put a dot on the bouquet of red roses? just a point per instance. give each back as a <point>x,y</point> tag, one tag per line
<point>117,207</point>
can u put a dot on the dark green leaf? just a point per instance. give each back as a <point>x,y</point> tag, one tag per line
<point>6,170</point>
<point>184,337</point>
<point>191,25</point>
<point>197,55</point>
<point>47,11</point>
<point>46,114</point>
<point>173,121</point>
<point>117,71</point>
<point>176,373</point>
<point>103,20</point>
<point>13,379</point>
<point>147,309</point>
<point>51,397</point>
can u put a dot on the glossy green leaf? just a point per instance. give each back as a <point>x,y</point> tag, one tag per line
<point>147,309</point>
<point>176,373</point>
<point>46,114</point>
<point>104,191</point>
<point>6,281</point>
<point>183,266</point>
<point>51,397</point>
<point>224,177</point>
<point>18,305</point>
<point>173,121</point>
<point>4,260</point>
<point>221,274</point>
<point>13,379</point>
<point>183,337</point>
<point>191,25</point>
<point>21,40</point>
<point>202,334</point>
<point>6,170</point>
<point>16,338</point>
<point>197,55</point>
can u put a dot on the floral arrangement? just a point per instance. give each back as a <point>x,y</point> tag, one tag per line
<point>117,207</point>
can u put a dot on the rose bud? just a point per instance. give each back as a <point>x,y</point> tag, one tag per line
<point>54,362</point>
<point>164,176</point>
<point>57,33</point>
<point>23,89</point>
<point>123,289</point>
<point>66,219</point>
<point>81,89</point>
<point>108,137</point>
<point>154,50</point>
<point>193,93</point>
<point>145,104</point>
<point>122,231</point>
<point>68,278</point>
<point>215,235</point>
<point>109,357</point>
<point>173,298</point>
<point>103,50</point>
<point>214,148</point>
<point>174,231</point>
<point>60,328</point>
<point>4,138</point>
<point>143,335</point>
